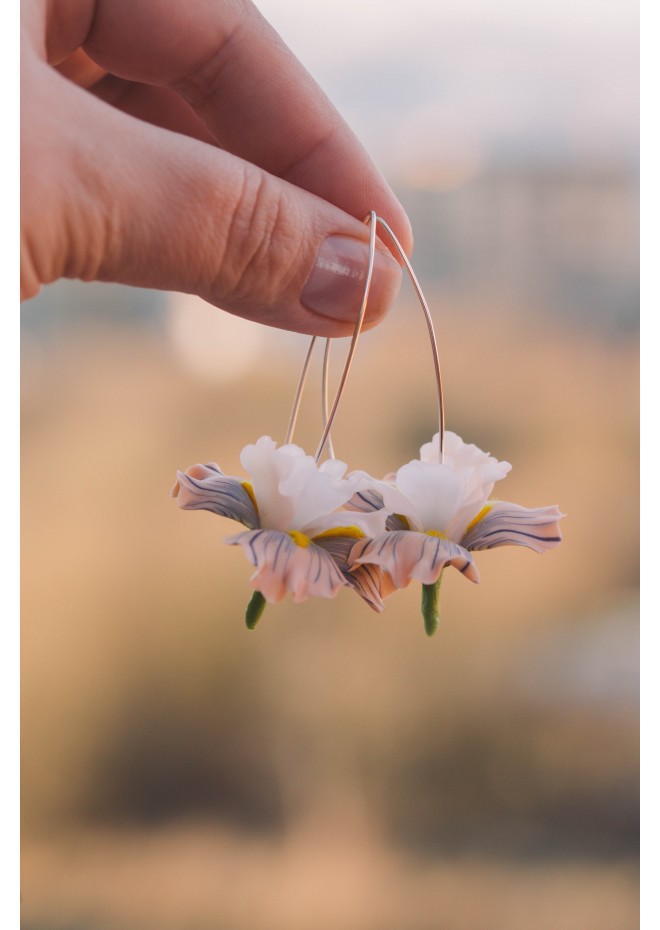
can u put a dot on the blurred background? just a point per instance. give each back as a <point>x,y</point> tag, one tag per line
<point>335,768</point>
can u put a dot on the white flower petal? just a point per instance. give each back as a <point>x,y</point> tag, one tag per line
<point>433,490</point>
<point>290,488</point>
<point>267,467</point>
<point>284,566</point>
<point>512,525</point>
<point>333,468</point>
<point>205,487</point>
<point>476,472</point>
<point>368,524</point>
<point>459,455</point>
<point>315,493</point>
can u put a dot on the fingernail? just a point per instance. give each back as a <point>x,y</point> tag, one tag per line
<point>335,287</point>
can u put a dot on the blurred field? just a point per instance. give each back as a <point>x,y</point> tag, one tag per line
<point>334,768</point>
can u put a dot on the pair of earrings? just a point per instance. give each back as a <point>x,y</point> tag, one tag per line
<point>312,527</point>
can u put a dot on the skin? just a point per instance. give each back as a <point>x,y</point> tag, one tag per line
<point>182,146</point>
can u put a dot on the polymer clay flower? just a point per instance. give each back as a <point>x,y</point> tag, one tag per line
<point>440,513</point>
<point>297,538</point>
<point>312,529</point>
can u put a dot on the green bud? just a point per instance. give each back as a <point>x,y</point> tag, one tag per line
<point>254,610</point>
<point>430,608</point>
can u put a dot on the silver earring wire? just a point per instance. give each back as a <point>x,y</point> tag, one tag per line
<point>372,220</point>
<point>299,392</point>
<point>324,391</point>
<point>432,339</point>
<point>356,334</point>
<point>301,387</point>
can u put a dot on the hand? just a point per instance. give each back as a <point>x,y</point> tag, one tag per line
<point>182,146</point>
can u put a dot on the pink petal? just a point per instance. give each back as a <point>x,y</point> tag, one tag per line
<point>406,555</point>
<point>367,581</point>
<point>205,487</point>
<point>512,525</point>
<point>283,566</point>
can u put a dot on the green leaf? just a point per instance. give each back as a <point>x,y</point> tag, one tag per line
<point>254,610</point>
<point>430,608</point>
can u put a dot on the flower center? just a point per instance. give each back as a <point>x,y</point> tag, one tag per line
<point>352,531</point>
<point>248,487</point>
<point>482,513</point>
<point>300,539</point>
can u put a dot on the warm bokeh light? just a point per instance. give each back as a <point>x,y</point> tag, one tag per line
<point>332,748</point>
<point>211,345</point>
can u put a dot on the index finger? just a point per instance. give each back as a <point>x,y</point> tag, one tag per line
<point>254,95</point>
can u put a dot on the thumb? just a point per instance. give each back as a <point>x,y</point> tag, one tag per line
<point>139,205</point>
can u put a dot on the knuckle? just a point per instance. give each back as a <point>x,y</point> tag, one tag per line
<point>261,246</point>
<point>203,79</point>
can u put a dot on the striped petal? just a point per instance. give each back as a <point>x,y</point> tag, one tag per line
<point>366,580</point>
<point>407,555</point>
<point>365,501</point>
<point>369,582</point>
<point>370,499</point>
<point>205,487</point>
<point>506,524</point>
<point>283,566</point>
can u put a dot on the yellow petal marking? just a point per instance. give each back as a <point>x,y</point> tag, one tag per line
<point>482,513</point>
<point>248,487</point>
<point>299,538</point>
<point>353,531</point>
<point>436,533</point>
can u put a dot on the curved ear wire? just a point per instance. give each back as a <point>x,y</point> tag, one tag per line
<point>299,393</point>
<point>301,387</point>
<point>432,339</point>
<point>372,220</point>
<point>356,333</point>
<point>324,394</point>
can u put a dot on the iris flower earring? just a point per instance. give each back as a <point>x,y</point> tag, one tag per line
<point>312,528</point>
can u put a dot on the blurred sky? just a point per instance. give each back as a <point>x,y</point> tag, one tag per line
<point>475,79</point>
